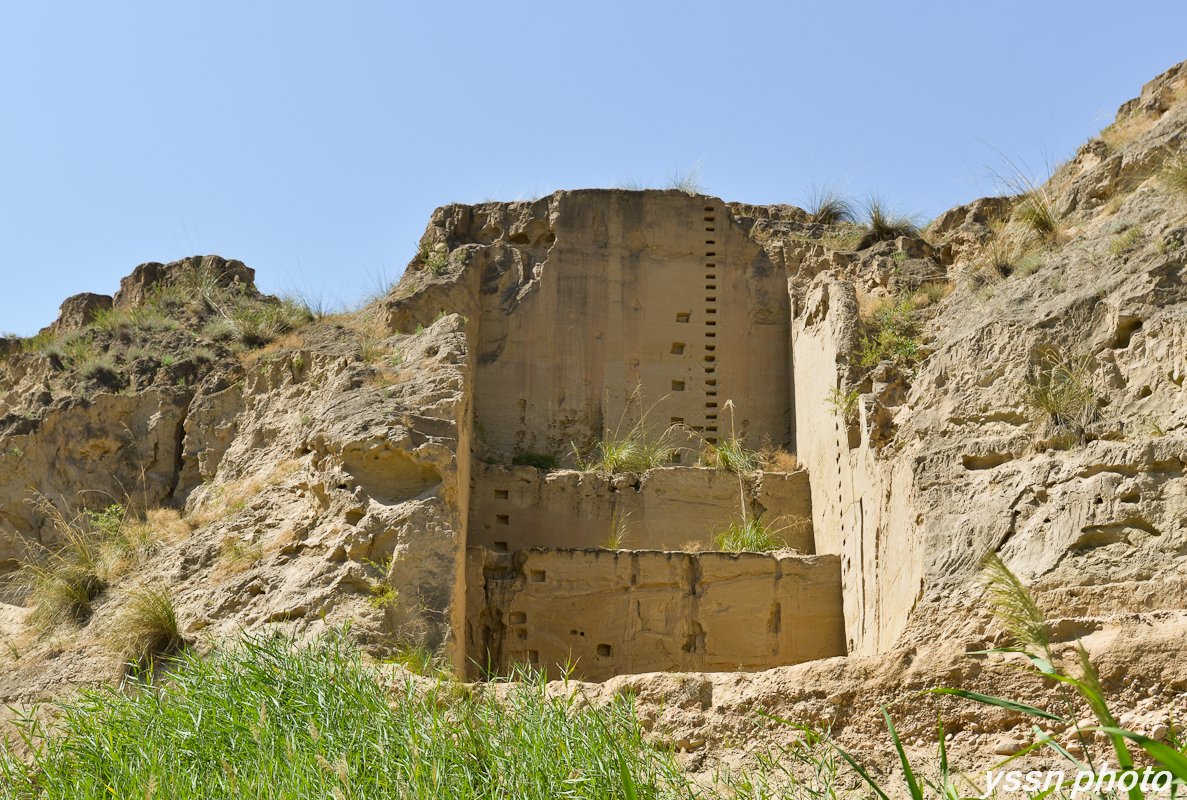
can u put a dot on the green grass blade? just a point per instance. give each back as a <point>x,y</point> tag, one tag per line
<point>999,702</point>
<point>864,775</point>
<point>1172,759</point>
<point>628,783</point>
<point>1043,738</point>
<point>908,773</point>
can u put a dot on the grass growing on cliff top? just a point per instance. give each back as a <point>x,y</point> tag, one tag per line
<point>273,719</point>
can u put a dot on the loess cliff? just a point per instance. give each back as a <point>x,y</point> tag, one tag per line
<point>435,468</point>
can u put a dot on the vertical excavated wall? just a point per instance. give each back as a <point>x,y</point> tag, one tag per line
<point>589,312</point>
<point>607,612</point>
<point>664,509</point>
<point>861,513</point>
<point>657,296</point>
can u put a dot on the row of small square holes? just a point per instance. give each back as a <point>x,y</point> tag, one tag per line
<point>710,324</point>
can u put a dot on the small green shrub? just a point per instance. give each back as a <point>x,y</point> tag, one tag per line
<point>537,460</point>
<point>844,404</point>
<point>433,256</point>
<point>891,336</point>
<point>384,596</point>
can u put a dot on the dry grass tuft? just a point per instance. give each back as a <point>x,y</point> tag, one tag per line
<point>96,549</point>
<point>146,624</point>
<point>1173,173</point>
<point>776,459</point>
<point>237,555</point>
<point>1125,130</point>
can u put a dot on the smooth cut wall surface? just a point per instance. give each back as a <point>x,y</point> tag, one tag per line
<point>513,508</point>
<point>655,296</point>
<point>609,612</point>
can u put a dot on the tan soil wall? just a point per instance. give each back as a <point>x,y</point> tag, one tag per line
<point>610,612</point>
<point>862,510</point>
<point>665,298</point>
<point>517,507</point>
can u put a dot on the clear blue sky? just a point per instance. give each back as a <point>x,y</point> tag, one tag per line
<point>312,141</point>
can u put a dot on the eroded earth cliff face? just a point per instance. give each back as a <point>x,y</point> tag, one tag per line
<point>419,467</point>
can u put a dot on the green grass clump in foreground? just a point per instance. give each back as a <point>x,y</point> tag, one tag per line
<point>270,719</point>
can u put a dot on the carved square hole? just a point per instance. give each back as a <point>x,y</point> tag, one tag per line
<point>712,428</point>
<point>710,405</point>
<point>536,576</point>
<point>533,656</point>
<point>708,286</point>
<point>709,254</point>
<point>677,348</point>
<point>711,382</point>
<point>677,420</point>
<point>710,335</point>
<point>518,618</point>
<point>710,241</point>
<point>502,519</point>
<point>710,416</point>
<point>710,228</point>
<point>711,322</point>
<point>682,316</point>
<point>501,494</point>
<point>501,547</point>
<point>604,650</point>
<point>711,300</point>
<point>676,458</point>
<point>711,440</point>
<point>710,358</point>
<point>710,265</point>
<point>710,276</point>
<point>677,386</point>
